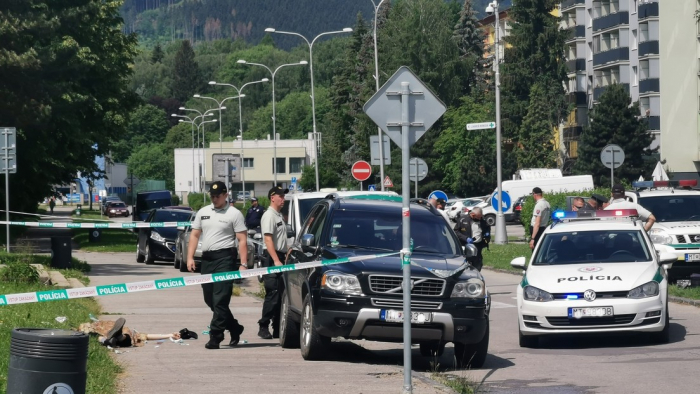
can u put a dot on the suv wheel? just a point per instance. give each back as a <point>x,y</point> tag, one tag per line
<point>490,220</point>
<point>312,344</point>
<point>432,349</point>
<point>139,256</point>
<point>289,330</point>
<point>474,354</point>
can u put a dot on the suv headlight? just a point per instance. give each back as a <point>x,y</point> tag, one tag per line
<point>649,289</point>
<point>471,288</point>
<point>157,237</point>
<point>340,283</point>
<point>659,236</point>
<point>532,293</point>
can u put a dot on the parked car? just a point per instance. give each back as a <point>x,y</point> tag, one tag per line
<point>363,299</point>
<point>158,243</point>
<point>458,206</point>
<point>107,200</point>
<point>116,208</point>
<point>517,208</point>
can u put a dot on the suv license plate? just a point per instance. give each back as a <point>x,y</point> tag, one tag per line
<point>600,311</point>
<point>692,257</point>
<point>394,316</point>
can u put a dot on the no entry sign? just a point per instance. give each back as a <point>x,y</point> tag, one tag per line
<point>361,170</point>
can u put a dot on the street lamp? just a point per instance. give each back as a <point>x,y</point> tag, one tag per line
<point>201,115</point>
<point>376,80</point>
<point>201,184</point>
<point>501,235</point>
<point>274,120</point>
<point>220,108</point>
<point>191,122</point>
<point>240,122</point>
<point>311,67</point>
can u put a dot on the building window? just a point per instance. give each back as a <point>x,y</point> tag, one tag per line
<point>596,44</point>
<point>643,104</point>
<point>281,167</point>
<point>296,164</point>
<point>643,32</point>
<point>634,39</point>
<point>634,6</point>
<point>248,162</point>
<point>644,67</point>
<point>635,76</point>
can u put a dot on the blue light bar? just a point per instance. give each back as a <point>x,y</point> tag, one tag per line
<point>640,184</point>
<point>559,215</point>
<point>572,297</point>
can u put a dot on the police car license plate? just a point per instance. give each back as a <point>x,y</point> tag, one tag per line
<point>394,316</point>
<point>692,257</point>
<point>599,311</point>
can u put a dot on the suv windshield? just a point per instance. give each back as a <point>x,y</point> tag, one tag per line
<point>673,208</point>
<point>578,247</point>
<point>383,231</point>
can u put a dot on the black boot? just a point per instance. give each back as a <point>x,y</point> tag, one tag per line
<point>235,334</point>
<point>112,336</point>
<point>215,339</point>
<point>264,333</point>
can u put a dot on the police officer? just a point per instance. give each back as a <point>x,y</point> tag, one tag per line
<point>540,217</point>
<point>620,202</point>
<point>254,215</point>
<point>275,237</point>
<point>472,229</point>
<point>219,226</point>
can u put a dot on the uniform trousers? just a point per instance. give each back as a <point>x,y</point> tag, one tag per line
<point>274,287</point>
<point>217,295</point>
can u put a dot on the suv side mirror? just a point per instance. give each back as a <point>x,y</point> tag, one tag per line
<point>667,259</point>
<point>470,250</point>
<point>307,240</point>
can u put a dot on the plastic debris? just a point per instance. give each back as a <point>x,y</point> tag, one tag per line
<point>244,341</point>
<point>176,340</point>
<point>93,318</point>
<point>205,332</point>
<point>157,346</point>
<point>61,319</point>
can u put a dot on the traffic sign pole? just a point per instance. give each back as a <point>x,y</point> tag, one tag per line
<point>406,249</point>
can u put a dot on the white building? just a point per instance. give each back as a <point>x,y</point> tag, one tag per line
<point>196,169</point>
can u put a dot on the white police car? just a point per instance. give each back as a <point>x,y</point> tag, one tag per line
<point>598,273</point>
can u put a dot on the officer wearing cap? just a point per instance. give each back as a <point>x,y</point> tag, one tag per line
<point>620,202</point>
<point>439,204</point>
<point>275,237</point>
<point>540,217</point>
<point>254,215</point>
<point>219,226</point>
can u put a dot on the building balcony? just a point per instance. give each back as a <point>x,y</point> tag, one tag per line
<point>598,91</point>
<point>611,56</point>
<point>648,10</point>
<point>577,32</point>
<point>647,48</point>
<point>650,85</point>
<point>566,4</point>
<point>576,98</point>
<point>576,65</point>
<point>654,123</point>
<point>612,20</point>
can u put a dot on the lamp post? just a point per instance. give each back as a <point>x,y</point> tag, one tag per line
<point>201,115</point>
<point>501,235</point>
<point>240,122</point>
<point>313,96</point>
<point>220,108</point>
<point>274,129</point>
<point>376,80</point>
<point>191,122</point>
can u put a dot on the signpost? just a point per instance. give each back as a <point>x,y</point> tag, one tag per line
<point>481,126</point>
<point>361,170</point>
<point>9,166</point>
<point>388,182</point>
<point>404,108</point>
<point>372,188</point>
<point>374,150</point>
<point>612,157</point>
<point>417,170</point>
<point>505,205</point>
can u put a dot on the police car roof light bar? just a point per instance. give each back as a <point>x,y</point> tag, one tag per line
<point>582,215</point>
<point>685,183</point>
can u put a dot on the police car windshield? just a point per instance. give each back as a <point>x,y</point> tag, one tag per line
<point>672,208</point>
<point>583,247</point>
<point>383,231</point>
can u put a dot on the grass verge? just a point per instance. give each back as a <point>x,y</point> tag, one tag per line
<point>460,384</point>
<point>111,240</point>
<point>692,293</point>
<point>499,256</point>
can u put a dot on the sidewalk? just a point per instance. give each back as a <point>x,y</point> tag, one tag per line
<point>255,366</point>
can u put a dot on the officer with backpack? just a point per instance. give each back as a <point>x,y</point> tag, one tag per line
<point>472,229</point>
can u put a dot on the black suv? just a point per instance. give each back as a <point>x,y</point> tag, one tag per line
<point>362,299</point>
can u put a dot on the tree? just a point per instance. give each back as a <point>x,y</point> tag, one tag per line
<point>536,148</point>
<point>186,77</point>
<point>157,54</point>
<point>148,124</point>
<point>615,120</point>
<point>470,41</point>
<point>153,161</point>
<point>63,85</point>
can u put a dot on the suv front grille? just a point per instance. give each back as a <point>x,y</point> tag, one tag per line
<point>385,284</point>
<point>398,304</point>
<point>681,239</point>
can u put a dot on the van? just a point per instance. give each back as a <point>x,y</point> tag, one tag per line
<point>523,187</point>
<point>147,201</point>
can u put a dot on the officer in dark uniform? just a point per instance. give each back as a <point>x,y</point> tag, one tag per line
<point>471,229</point>
<point>254,215</point>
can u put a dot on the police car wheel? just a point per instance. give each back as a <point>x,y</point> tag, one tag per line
<point>663,336</point>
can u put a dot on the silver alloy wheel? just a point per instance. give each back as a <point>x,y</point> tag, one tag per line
<point>306,325</point>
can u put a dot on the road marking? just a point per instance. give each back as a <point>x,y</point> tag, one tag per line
<point>500,305</point>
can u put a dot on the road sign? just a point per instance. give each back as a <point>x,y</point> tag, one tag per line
<point>506,201</point>
<point>361,170</point>
<point>372,188</point>
<point>294,179</point>
<point>11,163</point>
<point>388,182</point>
<point>422,169</point>
<point>612,156</point>
<point>291,187</point>
<point>384,108</point>
<point>438,194</point>
<point>481,126</point>
<point>374,149</point>
<point>132,181</point>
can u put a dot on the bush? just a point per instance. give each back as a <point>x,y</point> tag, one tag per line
<point>197,200</point>
<point>557,201</point>
<point>175,199</point>
<point>16,271</point>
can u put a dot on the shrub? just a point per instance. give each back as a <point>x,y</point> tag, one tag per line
<point>18,272</point>
<point>176,199</point>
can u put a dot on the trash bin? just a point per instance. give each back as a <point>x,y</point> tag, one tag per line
<point>47,361</point>
<point>78,207</point>
<point>61,252</point>
<point>95,235</point>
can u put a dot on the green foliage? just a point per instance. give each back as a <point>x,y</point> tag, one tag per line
<point>536,148</point>
<point>308,177</point>
<point>500,256</point>
<point>470,41</point>
<point>157,54</point>
<point>176,199</point>
<point>18,271</point>
<point>111,241</point>
<point>197,200</point>
<point>615,121</point>
<point>154,161</point>
<point>148,124</point>
<point>186,77</point>
<point>557,201</point>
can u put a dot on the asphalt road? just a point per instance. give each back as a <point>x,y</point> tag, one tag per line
<point>622,364</point>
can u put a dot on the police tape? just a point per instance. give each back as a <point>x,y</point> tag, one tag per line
<point>169,283</point>
<point>96,225</point>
